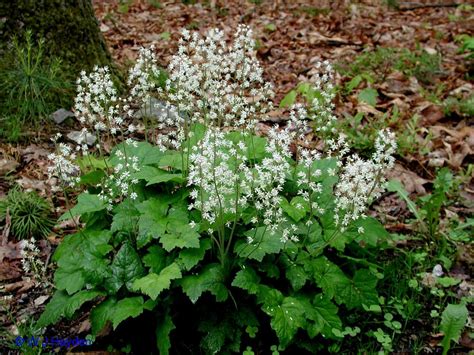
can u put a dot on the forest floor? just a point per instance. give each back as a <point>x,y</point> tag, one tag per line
<point>396,67</point>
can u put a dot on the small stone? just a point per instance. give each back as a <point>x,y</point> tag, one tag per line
<point>104,27</point>
<point>155,108</point>
<point>60,115</point>
<point>436,162</point>
<point>78,137</point>
<point>40,300</point>
<point>437,271</point>
<point>430,51</point>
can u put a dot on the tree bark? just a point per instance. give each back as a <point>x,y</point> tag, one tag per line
<point>69,27</point>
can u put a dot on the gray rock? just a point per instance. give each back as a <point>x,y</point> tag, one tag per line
<point>60,115</point>
<point>154,108</point>
<point>78,137</point>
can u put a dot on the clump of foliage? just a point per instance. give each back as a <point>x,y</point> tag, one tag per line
<point>467,45</point>
<point>31,86</point>
<point>453,320</point>
<point>375,66</point>
<point>461,106</point>
<point>467,48</point>
<point>427,210</point>
<point>30,215</point>
<point>262,246</point>
<point>438,239</point>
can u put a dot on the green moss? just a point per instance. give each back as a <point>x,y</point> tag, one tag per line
<point>70,30</point>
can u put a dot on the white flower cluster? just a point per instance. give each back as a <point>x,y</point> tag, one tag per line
<point>221,86</point>
<point>141,75</point>
<point>227,183</point>
<point>308,188</point>
<point>385,148</point>
<point>216,84</point>
<point>323,105</point>
<point>121,180</point>
<point>360,180</point>
<point>216,168</point>
<point>63,166</point>
<point>30,259</point>
<point>298,121</point>
<point>97,104</point>
<point>98,108</point>
<point>338,146</point>
<point>268,178</point>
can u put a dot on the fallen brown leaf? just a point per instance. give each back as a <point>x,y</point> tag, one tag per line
<point>411,181</point>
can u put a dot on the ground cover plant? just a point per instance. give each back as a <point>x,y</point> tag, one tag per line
<point>30,214</point>
<point>212,207</point>
<point>31,86</point>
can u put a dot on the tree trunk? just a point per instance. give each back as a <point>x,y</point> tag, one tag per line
<point>69,27</point>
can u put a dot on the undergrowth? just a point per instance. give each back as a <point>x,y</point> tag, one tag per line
<point>31,87</point>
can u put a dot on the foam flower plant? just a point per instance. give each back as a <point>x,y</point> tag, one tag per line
<point>261,223</point>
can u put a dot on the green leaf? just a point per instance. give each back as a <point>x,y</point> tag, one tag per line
<point>263,243</point>
<point>289,99</point>
<point>86,203</point>
<point>154,175</point>
<point>447,281</point>
<point>153,284</point>
<point>304,88</point>
<point>155,259</point>
<point>270,27</point>
<point>81,259</point>
<point>86,239</point>
<point>54,310</point>
<point>150,304</point>
<point>64,305</point>
<point>125,217</point>
<point>296,275</point>
<point>93,178</point>
<point>297,209</point>
<point>327,275</point>
<point>90,162</point>
<point>211,278</point>
<point>255,145</point>
<point>101,314</point>
<point>269,296</point>
<point>189,258</point>
<point>126,267</point>
<point>182,236</point>
<point>324,314</point>
<point>126,308</point>
<point>166,36</point>
<point>369,96</point>
<point>355,82</point>
<point>172,159</point>
<point>198,131</point>
<point>358,291</point>
<point>152,221</point>
<point>70,277</point>
<point>163,330</point>
<point>287,317</point>
<point>146,153</point>
<point>77,300</point>
<point>373,231</point>
<point>453,320</point>
<point>248,280</point>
